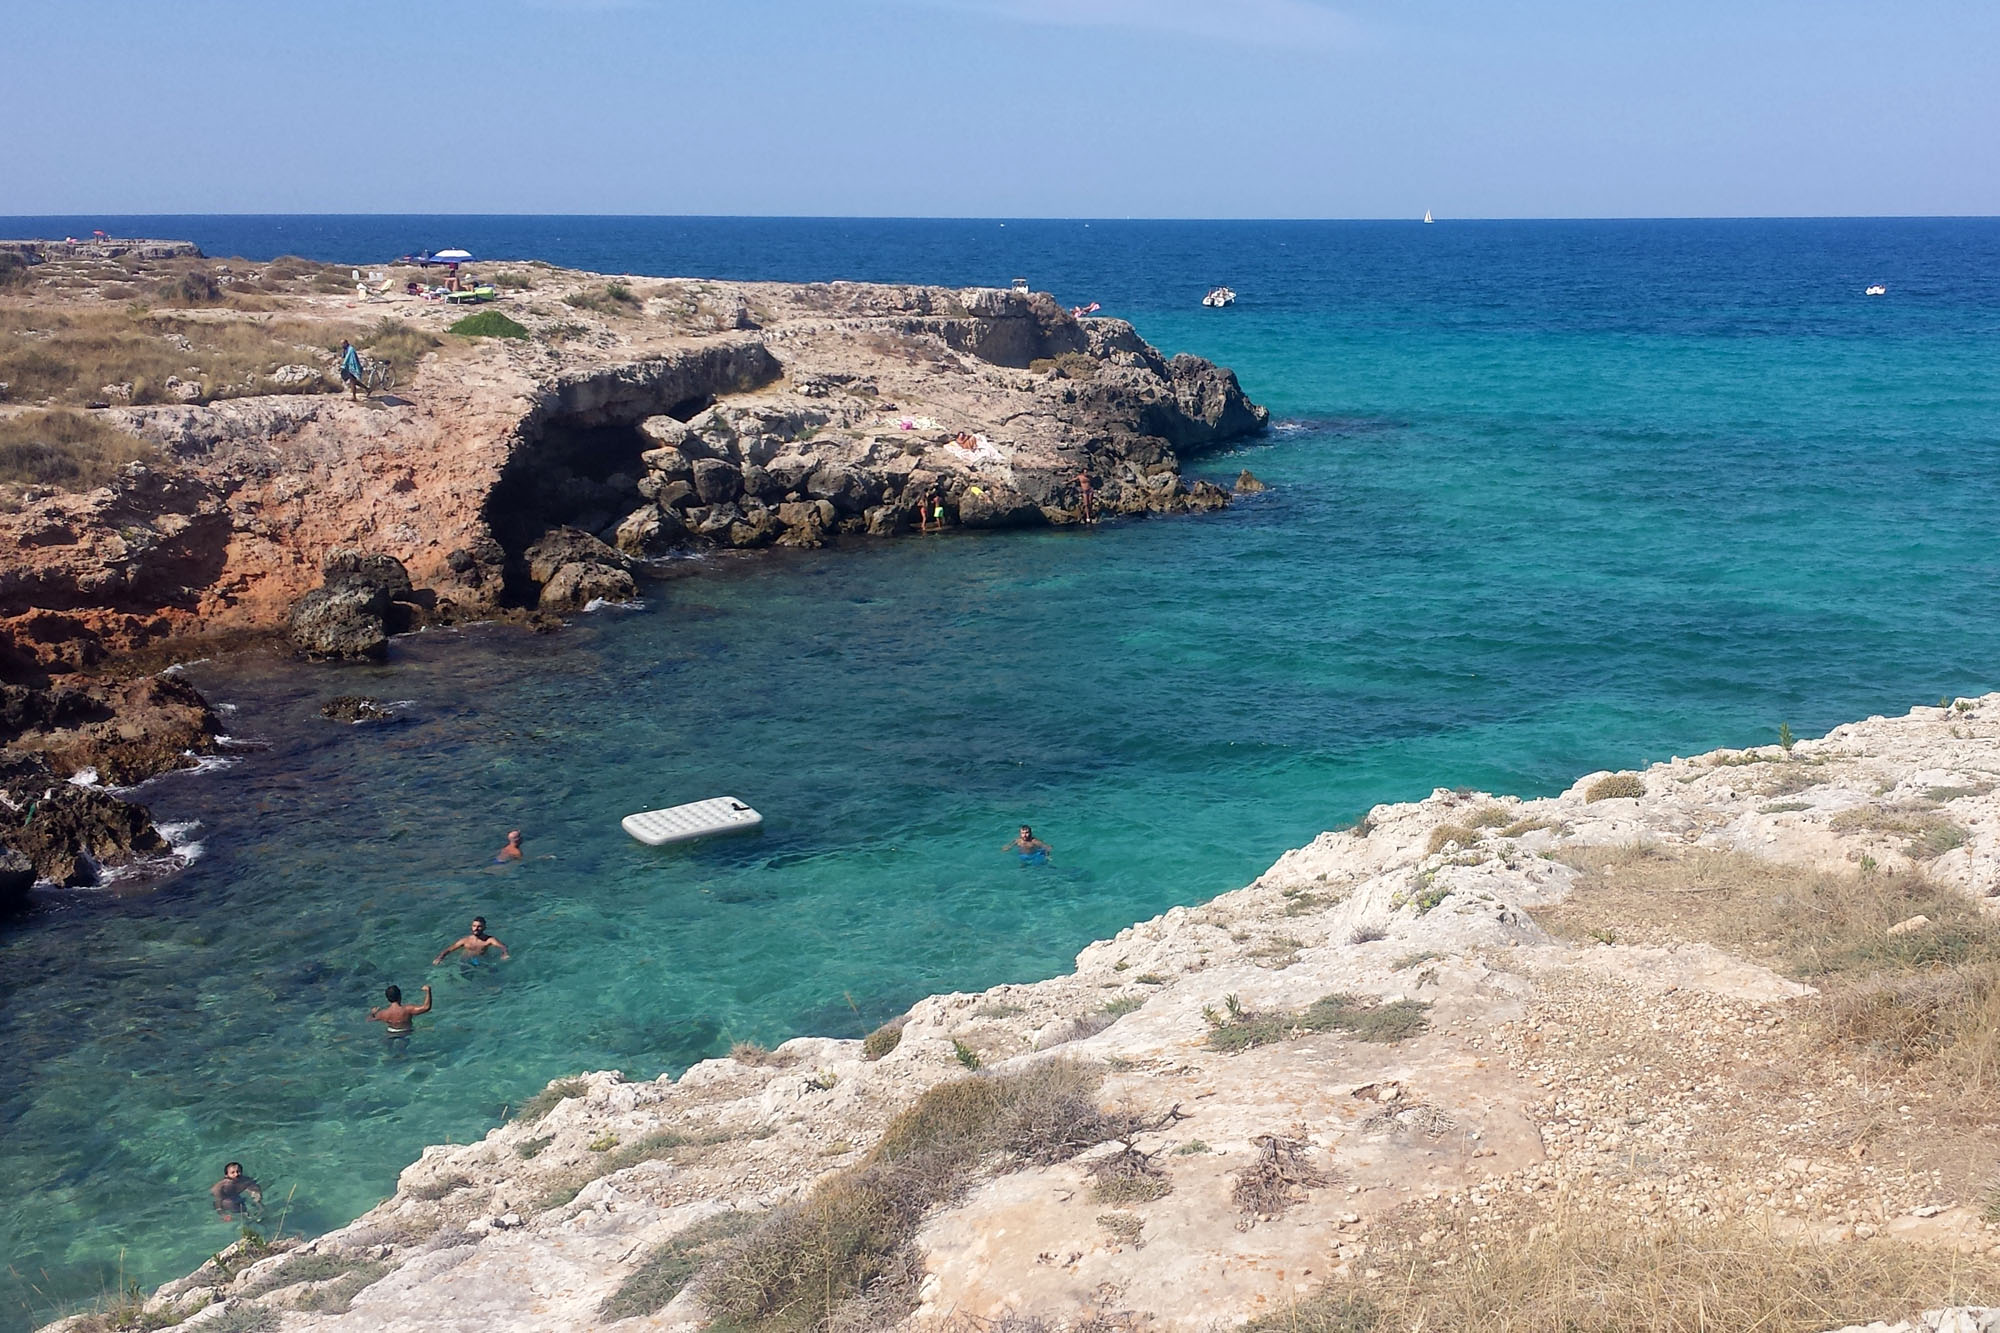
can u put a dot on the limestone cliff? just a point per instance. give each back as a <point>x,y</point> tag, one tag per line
<point>1635,1030</point>
<point>610,424</point>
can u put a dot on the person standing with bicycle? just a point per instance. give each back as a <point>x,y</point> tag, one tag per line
<point>350,369</point>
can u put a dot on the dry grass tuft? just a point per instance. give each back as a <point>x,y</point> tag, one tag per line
<point>668,1268</point>
<point>750,1053</point>
<point>1445,834</point>
<point>551,1097</point>
<point>67,450</point>
<point>70,356</point>
<point>1616,787</point>
<point>397,343</point>
<point>437,1189</point>
<point>841,1256</point>
<point>1927,998</point>
<point>1491,815</point>
<point>297,1268</point>
<point>613,298</point>
<point>1927,835</point>
<point>1574,1277</point>
<point>882,1040</point>
<point>1238,1029</point>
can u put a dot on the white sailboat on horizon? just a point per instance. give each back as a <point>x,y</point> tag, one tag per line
<point>1427,215</point>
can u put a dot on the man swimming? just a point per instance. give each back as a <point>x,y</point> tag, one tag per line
<point>400,1017</point>
<point>228,1192</point>
<point>475,945</point>
<point>1028,845</point>
<point>512,851</point>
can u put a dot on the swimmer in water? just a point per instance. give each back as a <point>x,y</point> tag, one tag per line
<point>1027,844</point>
<point>475,945</point>
<point>400,1017</point>
<point>512,851</point>
<point>228,1192</point>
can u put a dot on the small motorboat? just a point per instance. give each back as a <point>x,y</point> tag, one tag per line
<point>1877,290</point>
<point>1219,297</point>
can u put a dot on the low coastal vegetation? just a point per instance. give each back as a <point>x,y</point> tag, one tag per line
<point>613,298</point>
<point>70,451</point>
<point>1578,1274</point>
<point>882,1040</point>
<point>668,1268</point>
<point>551,1097</point>
<point>1926,835</point>
<point>1908,970</point>
<point>489,324</point>
<point>1616,787</point>
<point>135,354</point>
<point>353,1274</point>
<point>399,344</point>
<point>1238,1029</point>
<point>842,1257</point>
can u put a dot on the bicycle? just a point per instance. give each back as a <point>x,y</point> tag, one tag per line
<point>378,376</point>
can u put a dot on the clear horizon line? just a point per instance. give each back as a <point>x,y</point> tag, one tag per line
<point>1026,217</point>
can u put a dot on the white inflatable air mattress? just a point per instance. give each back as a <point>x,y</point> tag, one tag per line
<point>696,819</point>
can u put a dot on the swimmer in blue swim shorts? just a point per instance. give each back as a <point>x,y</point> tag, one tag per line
<point>1031,849</point>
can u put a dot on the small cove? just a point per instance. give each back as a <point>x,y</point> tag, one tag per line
<point>1501,549</point>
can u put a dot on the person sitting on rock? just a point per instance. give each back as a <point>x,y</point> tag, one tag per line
<point>512,851</point>
<point>228,1192</point>
<point>400,1017</point>
<point>350,369</point>
<point>475,945</point>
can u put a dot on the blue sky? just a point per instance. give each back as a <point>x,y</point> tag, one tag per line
<point>1007,108</point>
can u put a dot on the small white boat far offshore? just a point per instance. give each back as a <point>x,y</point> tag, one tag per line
<point>1219,297</point>
<point>697,819</point>
<point>1877,290</point>
<point>1427,216</point>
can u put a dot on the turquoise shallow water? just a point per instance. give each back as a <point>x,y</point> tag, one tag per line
<point>1573,506</point>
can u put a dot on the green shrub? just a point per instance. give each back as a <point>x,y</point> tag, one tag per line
<point>964,1054</point>
<point>488,324</point>
<point>1616,787</point>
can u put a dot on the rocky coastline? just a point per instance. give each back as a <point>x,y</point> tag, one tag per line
<point>1471,1026</point>
<point>603,427</point>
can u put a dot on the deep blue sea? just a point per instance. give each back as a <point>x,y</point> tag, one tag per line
<point>1546,497</point>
